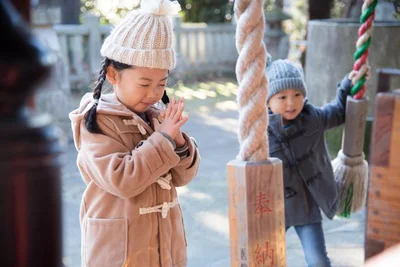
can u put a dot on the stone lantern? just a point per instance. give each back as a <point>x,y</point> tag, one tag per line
<point>276,40</point>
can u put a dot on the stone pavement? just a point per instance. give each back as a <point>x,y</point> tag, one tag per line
<point>205,204</point>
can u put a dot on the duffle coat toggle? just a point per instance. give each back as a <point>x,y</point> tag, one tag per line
<point>164,181</point>
<point>139,125</point>
<point>163,208</point>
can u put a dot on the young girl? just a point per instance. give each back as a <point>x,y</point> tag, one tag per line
<point>130,154</point>
<point>296,136</point>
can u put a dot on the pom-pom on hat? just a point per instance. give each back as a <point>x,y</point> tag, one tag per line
<point>144,37</point>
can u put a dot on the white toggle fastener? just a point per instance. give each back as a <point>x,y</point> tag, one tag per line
<point>164,181</point>
<point>142,130</point>
<point>164,210</point>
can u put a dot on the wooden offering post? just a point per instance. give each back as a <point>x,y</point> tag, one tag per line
<point>256,213</point>
<point>255,183</point>
<point>383,214</point>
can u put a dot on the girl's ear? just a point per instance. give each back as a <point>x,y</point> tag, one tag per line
<point>112,75</point>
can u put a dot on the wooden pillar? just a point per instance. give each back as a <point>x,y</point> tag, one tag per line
<point>256,213</point>
<point>23,7</point>
<point>30,184</point>
<point>383,206</point>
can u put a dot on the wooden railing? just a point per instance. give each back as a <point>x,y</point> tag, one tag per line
<point>80,48</point>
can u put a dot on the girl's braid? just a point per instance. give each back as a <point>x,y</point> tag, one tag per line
<point>101,79</point>
<point>91,116</point>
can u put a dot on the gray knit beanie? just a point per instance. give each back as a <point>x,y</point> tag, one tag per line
<point>283,74</point>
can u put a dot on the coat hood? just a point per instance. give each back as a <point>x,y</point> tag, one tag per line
<point>108,105</point>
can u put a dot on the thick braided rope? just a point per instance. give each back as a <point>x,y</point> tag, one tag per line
<point>362,45</point>
<point>250,73</point>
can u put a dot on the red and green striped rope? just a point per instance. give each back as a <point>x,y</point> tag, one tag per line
<point>363,44</point>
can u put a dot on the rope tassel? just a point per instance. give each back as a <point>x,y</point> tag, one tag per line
<point>353,189</point>
<point>350,168</point>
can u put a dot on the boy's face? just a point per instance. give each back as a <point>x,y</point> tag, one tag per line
<point>288,103</point>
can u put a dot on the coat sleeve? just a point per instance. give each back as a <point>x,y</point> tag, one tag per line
<point>116,169</point>
<point>333,114</point>
<point>187,168</point>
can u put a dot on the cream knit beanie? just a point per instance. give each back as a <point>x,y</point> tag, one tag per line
<point>144,37</point>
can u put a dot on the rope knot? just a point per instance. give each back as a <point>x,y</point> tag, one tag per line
<point>351,161</point>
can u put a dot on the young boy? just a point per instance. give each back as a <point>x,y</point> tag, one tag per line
<point>296,136</point>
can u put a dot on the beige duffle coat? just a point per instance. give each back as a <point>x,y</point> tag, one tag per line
<point>130,213</point>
